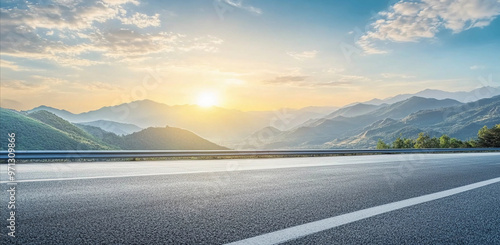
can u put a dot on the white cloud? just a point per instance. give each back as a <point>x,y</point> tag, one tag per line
<point>59,16</point>
<point>239,4</point>
<point>411,21</point>
<point>303,55</point>
<point>129,43</point>
<point>39,83</point>
<point>141,20</point>
<point>476,67</point>
<point>120,2</point>
<point>74,15</point>
<point>335,70</point>
<point>64,31</point>
<point>20,85</point>
<point>314,81</point>
<point>396,75</point>
<point>10,65</point>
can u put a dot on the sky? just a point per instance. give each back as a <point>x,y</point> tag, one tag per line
<point>242,54</point>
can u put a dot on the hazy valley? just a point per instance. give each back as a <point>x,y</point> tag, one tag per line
<point>150,125</point>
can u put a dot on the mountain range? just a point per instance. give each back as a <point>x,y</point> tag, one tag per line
<point>43,130</point>
<point>462,96</point>
<point>114,127</point>
<point>406,118</point>
<point>358,125</point>
<point>224,126</point>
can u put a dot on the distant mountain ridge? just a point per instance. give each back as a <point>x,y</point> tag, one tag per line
<point>308,127</point>
<point>354,110</point>
<point>320,133</point>
<point>114,127</point>
<point>216,121</point>
<point>462,122</point>
<point>462,96</point>
<point>43,130</point>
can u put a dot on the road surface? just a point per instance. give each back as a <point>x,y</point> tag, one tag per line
<point>383,199</point>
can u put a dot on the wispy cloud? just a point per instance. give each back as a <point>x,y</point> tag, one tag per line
<point>411,21</point>
<point>21,85</point>
<point>287,80</point>
<point>396,75</point>
<point>477,67</point>
<point>317,82</point>
<point>142,20</point>
<point>10,65</point>
<point>240,5</point>
<point>303,55</point>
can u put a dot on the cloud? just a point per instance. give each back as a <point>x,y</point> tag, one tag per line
<point>307,81</point>
<point>59,16</point>
<point>65,31</point>
<point>132,44</point>
<point>120,2</point>
<point>352,79</point>
<point>411,21</point>
<point>396,75</point>
<point>207,44</point>
<point>142,20</point>
<point>73,15</point>
<point>20,84</point>
<point>287,80</point>
<point>129,43</point>
<point>95,86</point>
<point>303,55</point>
<point>477,67</point>
<point>334,70</point>
<point>39,84</point>
<point>334,84</point>
<point>239,4</point>
<point>10,65</point>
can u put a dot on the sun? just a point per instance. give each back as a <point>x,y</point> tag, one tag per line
<point>207,99</point>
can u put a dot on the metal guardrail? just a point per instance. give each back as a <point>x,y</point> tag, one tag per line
<point>219,153</point>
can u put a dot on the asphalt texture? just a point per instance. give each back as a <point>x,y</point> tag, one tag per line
<point>222,201</point>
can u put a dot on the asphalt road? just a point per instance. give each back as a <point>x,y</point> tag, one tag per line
<point>224,201</point>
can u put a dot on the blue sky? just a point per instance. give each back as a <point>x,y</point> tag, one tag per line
<point>249,55</point>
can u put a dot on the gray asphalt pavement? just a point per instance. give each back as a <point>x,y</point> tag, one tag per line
<point>223,201</point>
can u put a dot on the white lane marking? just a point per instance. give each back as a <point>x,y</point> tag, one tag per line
<point>100,177</point>
<point>249,165</point>
<point>329,223</point>
<point>222,168</point>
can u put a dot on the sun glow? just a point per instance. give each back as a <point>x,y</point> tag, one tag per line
<point>207,99</point>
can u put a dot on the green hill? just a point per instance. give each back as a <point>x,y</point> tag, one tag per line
<point>32,134</point>
<point>102,135</point>
<point>167,138</point>
<point>42,130</point>
<point>71,130</point>
<point>57,122</point>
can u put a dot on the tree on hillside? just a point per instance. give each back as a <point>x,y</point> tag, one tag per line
<point>398,143</point>
<point>456,143</point>
<point>382,145</point>
<point>444,141</point>
<point>489,137</point>
<point>425,141</point>
<point>403,143</point>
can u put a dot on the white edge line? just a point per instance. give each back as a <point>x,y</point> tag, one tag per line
<point>189,172</point>
<point>99,177</point>
<point>197,171</point>
<point>329,223</point>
